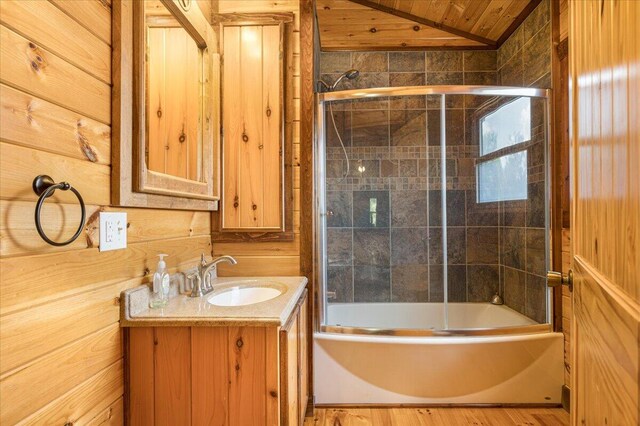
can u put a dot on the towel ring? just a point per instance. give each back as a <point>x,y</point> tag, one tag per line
<point>44,187</point>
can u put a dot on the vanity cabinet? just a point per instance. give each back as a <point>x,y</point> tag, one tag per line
<point>218,374</point>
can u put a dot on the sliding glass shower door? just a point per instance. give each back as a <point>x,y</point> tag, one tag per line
<point>431,205</point>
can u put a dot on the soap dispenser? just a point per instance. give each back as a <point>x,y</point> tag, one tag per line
<point>161,282</point>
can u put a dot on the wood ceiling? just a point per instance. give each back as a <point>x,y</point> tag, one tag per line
<point>418,24</point>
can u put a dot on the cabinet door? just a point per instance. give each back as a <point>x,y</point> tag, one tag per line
<point>303,367</point>
<point>294,365</point>
<point>252,139</point>
<point>289,352</point>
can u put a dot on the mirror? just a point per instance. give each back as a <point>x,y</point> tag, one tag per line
<point>173,107</point>
<point>165,106</point>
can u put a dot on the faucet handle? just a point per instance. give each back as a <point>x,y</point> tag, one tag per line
<point>203,260</point>
<point>196,288</point>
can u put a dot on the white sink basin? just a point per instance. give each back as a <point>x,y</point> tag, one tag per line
<point>240,296</point>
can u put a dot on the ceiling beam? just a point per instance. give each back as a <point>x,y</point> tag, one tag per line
<point>519,20</point>
<point>427,22</point>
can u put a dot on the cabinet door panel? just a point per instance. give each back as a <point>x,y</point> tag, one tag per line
<point>289,370</point>
<point>292,374</point>
<point>247,376</point>
<point>253,81</point>
<point>272,82</point>
<point>140,373</point>
<point>172,376</point>
<point>232,126</point>
<point>304,360</point>
<point>251,167</point>
<point>209,376</point>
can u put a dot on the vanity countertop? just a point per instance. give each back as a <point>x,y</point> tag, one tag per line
<point>183,310</point>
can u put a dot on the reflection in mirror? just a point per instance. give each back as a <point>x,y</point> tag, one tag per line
<point>173,64</point>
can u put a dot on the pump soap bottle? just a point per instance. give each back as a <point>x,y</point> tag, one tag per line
<point>161,281</point>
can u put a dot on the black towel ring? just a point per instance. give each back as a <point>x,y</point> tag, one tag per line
<point>44,187</point>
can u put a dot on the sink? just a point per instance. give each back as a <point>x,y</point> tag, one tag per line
<point>244,295</point>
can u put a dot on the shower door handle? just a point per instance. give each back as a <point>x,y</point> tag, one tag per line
<point>555,279</point>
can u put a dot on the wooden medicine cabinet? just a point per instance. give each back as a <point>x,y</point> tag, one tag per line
<point>165,106</point>
<point>257,122</point>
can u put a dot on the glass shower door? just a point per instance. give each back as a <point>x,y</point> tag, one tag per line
<point>433,212</point>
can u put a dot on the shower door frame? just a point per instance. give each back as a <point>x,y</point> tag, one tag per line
<point>319,201</point>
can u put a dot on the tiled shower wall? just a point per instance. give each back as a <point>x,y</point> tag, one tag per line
<point>525,60</point>
<point>384,218</point>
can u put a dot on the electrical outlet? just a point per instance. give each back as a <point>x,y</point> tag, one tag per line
<point>113,231</point>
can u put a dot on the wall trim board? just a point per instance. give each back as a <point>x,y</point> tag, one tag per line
<point>307,99</point>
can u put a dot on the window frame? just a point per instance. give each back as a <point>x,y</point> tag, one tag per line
<point>482,112</point>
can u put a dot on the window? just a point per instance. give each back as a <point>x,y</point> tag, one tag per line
<point>502,168</point>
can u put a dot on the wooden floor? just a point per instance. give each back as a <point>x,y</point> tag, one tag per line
<point>438,416</point>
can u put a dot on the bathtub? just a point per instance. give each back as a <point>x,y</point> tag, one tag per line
<point>509,368</point>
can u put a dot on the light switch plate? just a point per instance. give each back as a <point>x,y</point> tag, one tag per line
<point>113,231</point>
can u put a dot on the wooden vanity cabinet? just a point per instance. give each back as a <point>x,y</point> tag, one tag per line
<point>218,375</point>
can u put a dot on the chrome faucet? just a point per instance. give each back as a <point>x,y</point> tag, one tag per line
<point>206,272</point>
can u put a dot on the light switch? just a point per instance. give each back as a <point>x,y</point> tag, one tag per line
<point>113,231</point>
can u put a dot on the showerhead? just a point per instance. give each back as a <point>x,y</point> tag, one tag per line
<point>351,74</point>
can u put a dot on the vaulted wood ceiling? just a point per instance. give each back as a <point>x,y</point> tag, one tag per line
<point>418,24</point>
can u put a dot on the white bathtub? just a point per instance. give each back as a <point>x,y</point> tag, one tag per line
<point>371,369</point>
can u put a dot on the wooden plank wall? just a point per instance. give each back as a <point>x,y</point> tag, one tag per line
<point>61,353</point>
<point>271,258</point>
